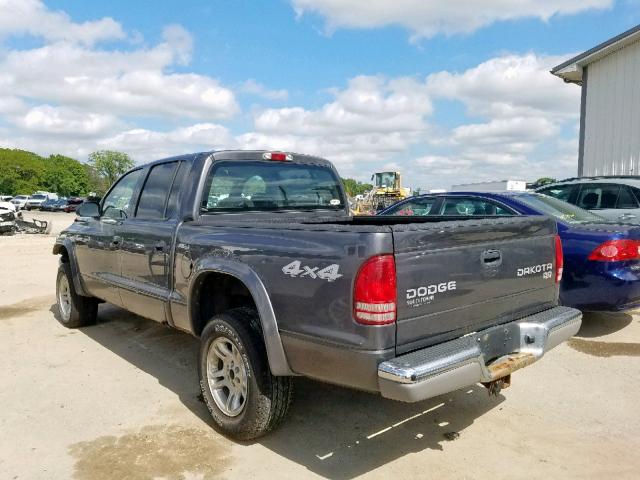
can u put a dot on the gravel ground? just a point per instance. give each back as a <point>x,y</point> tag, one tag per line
<point>120,400</point>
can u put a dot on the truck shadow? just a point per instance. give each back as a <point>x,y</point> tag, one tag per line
<point>332,431</point>
<point>599,324</point>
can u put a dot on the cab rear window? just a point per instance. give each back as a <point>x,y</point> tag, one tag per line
<point>268,186</point>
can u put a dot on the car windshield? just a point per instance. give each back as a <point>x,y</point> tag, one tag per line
<point>260,186</point>
<point>38,197</point>
<point>21,197</point>
<point>559,209</point>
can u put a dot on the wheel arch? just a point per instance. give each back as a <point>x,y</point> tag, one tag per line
<point>67,255</point>
<point>245,276</point>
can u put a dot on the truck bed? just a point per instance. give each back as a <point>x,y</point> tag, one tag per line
<point>428,251</point>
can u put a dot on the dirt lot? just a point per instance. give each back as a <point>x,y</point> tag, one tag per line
<point>120,400</point>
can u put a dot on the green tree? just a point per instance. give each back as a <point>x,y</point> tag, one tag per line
<point>65,176</point>
<point>20,171</point>
<point>110,164</point>
<point>95,183</point>
<point>544,181</point>
<point>354,187</point>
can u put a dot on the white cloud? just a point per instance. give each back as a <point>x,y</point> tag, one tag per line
<point>134,82</point>
<point>368,104</point>
<point>142,144</point>
<point>72,95</point>
<point>426,18</point>
<point>500,132</point>
<point>253,87</point>
<point>49,120</point>
<point>371,119</point>
<point>145,145</point>
<point>525,111</point>
<point>509,86</point>
<point>33,18</point>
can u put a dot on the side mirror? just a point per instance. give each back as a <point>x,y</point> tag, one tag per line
<point>89,209</point>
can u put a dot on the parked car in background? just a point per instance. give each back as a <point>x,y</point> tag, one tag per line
<point>614,198</point>
<point>72,204</point>
<point>36,200</point>
<point>7,217</point>
<point>601,258</point>
<point>5,198</point>
<point>20,201</point>
<point>54,205</point>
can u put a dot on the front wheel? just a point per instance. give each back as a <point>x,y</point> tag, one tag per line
<point>245,400</point>
<point>73,310</point>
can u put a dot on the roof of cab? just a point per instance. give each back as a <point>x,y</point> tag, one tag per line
<point>241,155</point>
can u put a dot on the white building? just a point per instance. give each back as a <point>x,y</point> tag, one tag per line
<point>499,186</point>
<point>610,108</point>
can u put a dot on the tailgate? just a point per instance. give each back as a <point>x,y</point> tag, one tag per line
<point>462,276</point>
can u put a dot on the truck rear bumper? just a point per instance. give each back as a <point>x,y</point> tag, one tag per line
<point>484,356</point>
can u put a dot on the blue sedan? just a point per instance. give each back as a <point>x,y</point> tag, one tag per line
<point>601,259</point>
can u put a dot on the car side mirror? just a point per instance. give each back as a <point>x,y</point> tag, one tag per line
<point>89,209</point>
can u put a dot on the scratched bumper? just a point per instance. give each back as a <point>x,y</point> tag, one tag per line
<point>484,356</point>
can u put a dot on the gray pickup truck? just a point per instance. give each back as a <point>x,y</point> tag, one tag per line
<point>256,253</point>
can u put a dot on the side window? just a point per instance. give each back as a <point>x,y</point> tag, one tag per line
<point>153,198</point>
<point>118,203</point>
<point>418,207</point>
<point>561,192</point>
<point>626,198</point>
<point>502,211</point>
<point>596,196</point>
<point>172,204</point>
<point>472,207</point>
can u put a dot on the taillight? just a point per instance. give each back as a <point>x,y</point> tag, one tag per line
<point>616,251</point>
<point>374,294</point>
<point>559,259</point>
<point>277,156</point>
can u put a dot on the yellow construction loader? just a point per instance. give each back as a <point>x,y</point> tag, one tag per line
<point>387,190</point>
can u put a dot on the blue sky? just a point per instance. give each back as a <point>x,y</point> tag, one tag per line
<point>443,93</point>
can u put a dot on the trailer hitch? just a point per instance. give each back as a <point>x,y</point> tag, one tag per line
<point>495,387</point>
<point>501,369</point>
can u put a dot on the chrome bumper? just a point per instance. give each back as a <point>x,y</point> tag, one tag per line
<point>483,356</point>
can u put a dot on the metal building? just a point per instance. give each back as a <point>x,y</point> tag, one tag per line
<point>610,107</point>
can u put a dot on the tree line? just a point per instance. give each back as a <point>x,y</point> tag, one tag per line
<point>354,187</point>
<point>23,172</point>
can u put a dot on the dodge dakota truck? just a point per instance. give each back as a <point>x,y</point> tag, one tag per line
<point>256,253</point>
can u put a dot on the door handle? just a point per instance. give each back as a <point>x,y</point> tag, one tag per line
<point>491,257</point>
<point>116,241</point>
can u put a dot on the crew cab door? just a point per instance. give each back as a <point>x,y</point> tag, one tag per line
<point>147,238</point>
<point>97,243</point>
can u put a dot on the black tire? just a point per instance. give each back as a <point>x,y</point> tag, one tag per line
<point>79,311</point>
<point>268,397</point>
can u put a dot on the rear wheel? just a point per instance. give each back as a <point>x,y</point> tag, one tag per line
<point>73,310</point>
<point>245,400</point>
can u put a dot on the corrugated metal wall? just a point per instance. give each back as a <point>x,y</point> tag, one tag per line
<point>612,127</point>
